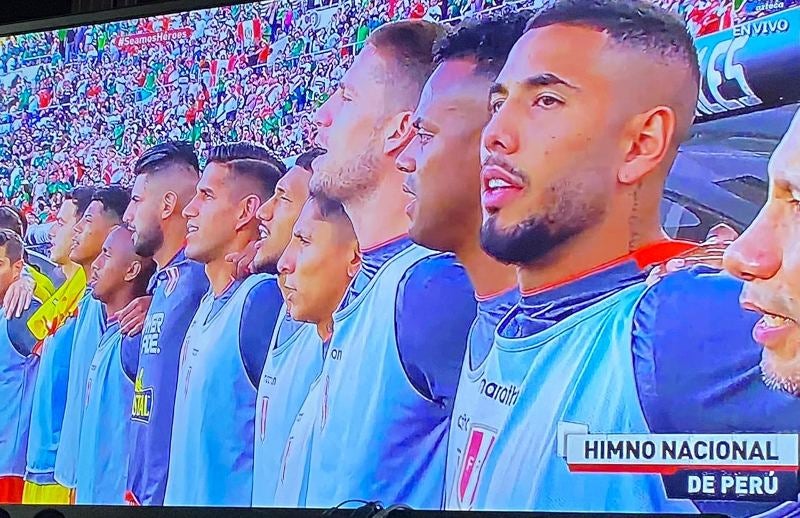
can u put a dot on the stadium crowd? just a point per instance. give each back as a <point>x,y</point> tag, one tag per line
<point>77,104</point>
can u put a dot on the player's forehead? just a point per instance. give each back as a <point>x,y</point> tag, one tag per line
<point>366,68</point>
<point>451,82</point>
<point>67,210</point>
<point>784,164</point>
<point>573,53</point>
<point>214,176</point>
<point>295,179</point>
<point>139,184</point>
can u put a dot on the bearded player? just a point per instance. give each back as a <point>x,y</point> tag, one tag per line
<point>318,265</point>
<point>119,276</point>
<point>211,452</point>
<point>19,363</point>
<point>395,355</point>
<point>166,178</point>
<point>55,323</point>
<point>582,234</point>
<point>766,257</point>
<point>102,215</point>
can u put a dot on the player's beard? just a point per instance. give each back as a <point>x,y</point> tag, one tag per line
<point>352,179</point>
<point>268,265</point>
<point>777,378</point>
<point>570,211</point>
<point>148,241</point>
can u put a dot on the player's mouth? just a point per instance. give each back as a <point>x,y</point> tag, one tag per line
<point>499,185</point>
<point>411,204</point>
<point>772,328</point>
<point>263,232</point>
<point>319,141</point>
<point>191,229</point>
<point>289,292</point>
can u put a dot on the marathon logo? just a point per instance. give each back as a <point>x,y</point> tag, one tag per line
<point>506,395</point>
<point>142,400</point>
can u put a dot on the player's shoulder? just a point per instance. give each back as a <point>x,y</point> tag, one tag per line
<point>438,270</point>
<point>260,285</point>
<point>687,290</point>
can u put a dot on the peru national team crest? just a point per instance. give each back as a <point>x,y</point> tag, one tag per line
<point>263,423</point>
<point>479,444</point>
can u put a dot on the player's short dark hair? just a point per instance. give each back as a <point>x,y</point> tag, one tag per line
<point>407,46</point>
<point>82,197</point>
<point>250,161</point>
<point>11,244</point>
<point>305,159</point>
<point>636,24</point>
<point>331,210</point>
<point>11,220</point>
<point>115,200</point>
<point>167,154</point>
<point>487,40</point>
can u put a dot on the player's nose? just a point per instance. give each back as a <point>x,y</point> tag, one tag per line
<point>322,118</point>
<point>286,262</point>
<point>190,210</point>
<point>500,134</point>
<point>405,160</point>
<point>265,211</point>
<point>756,254</point>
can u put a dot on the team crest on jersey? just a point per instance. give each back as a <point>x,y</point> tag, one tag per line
<point>480,441</point>
<point>324,419</point>
<point>142,400</point>
<point>173,274</point>
<point>263,423</point>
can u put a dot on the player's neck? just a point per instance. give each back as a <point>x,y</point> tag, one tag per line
<point>325,329</point>
<point>379,217</point>
<point>118,301</point>
<point>70,269</point>
<point>582,254</point>
<point>220,273</point>
<point>169,248</point>
<point>87,269</point>
<point>488,276</point>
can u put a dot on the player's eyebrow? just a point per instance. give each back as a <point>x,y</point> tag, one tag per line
<point>535,81</point>
<point>497,88</point>
<point>547,79</point>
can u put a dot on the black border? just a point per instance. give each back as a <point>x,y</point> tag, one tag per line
<point>113,15</point>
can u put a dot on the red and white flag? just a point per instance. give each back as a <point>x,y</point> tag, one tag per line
<point>249,32</point>
<point>218,65</point>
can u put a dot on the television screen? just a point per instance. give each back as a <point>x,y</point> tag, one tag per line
<point>450,254</point>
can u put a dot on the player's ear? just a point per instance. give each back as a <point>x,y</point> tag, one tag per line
<point>248,208</point>
<point>651,135</point>
<point>399,133</point>
<point>16,267</point>
<point>169,204</point>
<point>134,269</point>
